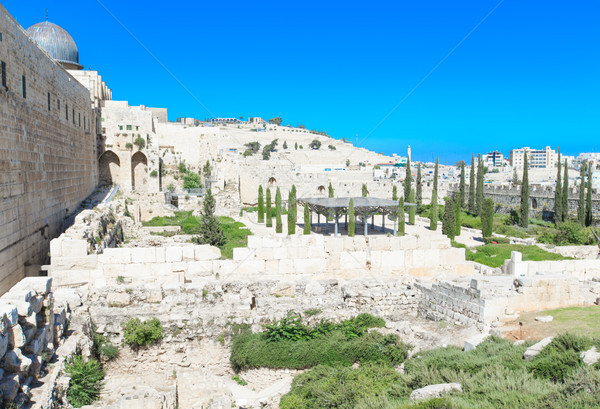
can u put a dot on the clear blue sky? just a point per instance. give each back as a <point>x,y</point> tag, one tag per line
<point>528,76</point>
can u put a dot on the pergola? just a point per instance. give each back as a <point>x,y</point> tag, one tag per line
<point>363,206</point>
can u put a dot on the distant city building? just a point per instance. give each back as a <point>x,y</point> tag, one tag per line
<point>592,158</point>
<point>493,159</point>
<point>537,158</point>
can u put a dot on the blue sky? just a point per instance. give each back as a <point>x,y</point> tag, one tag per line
<point>528,76</point>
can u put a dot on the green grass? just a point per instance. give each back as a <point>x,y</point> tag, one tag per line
<point>494,375</point>
<point>494,255</point>
<point>236,233</point>
<point>576,320</point>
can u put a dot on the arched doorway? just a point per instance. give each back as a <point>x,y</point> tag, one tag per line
<point>272,181</point>
<point>139,171</point>
<point>321,189</point>
<point>110,165</point>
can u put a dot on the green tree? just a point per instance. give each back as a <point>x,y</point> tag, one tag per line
<point>401,217</point>
<point>394,193</point>
<point>275,121</point>
<point>330,190</point>
<point>419,196</point>
<point>407,179</point>
<point>351,224</point>
<point>558,191</point>
<point>191,180</point>
<point>296,146</point>
<point>86,383</point>
<point>565,194</point>
<point>207,170</point>
<point>449,219</point>
<point>291,216</point>
<point>434,210</point>
<point>268,214</point>
<point>472,186</point>
<point>487,217</point>
<point>462,189</point>
<point>588,199</point>
<point>457,216</point>
<point>261,205</point>
<point>479,191</point>
<point>524,218</point>
<point>365,191</point>
<point>278,222</point>
<point>315,144</point>
<point>412,210</point>
<point>581,203</point>
<point>210,228</point>
<point>285,145</point>
<point>306,219</point>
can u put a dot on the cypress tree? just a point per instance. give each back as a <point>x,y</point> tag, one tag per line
<point>449,221</point>
<point>394,193</point>
<point>487,217</point>
<point>306,219</point>
<point>365,191</point>
<point>401,217</point>
<point>412,210</point>
<point>291,216</point>
<point>351,218</point>
<point>330,188</point>
<point>261,205</point>
<point>210,230</point>
<point>407,179</point>
<point>558,212</point>
<point>479,192</point>
<point>524,219</point>
<point>461,202</point>
<point>278,222</point>
<point>472,186</point>
<point>565,194</point>
<point>268,215</point>
<point>457,216</point>
<point>588,199</point>
<point>434,210</point>
<point>581,203</point>
<point>419,197</point>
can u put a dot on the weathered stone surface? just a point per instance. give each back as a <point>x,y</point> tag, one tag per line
<point>9,386</point>
<point>545,318</point>
<point>15,361</point>
<point>591,356</point>
<point>118,299</point>
<point>535,349</point>
<point>435,391</point>
<point>471,343</point>
<point>16,336</point>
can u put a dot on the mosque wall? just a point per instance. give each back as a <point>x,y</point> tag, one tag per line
<point>48,157</point>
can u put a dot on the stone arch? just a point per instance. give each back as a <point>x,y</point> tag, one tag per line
<point>272,181</point>
<point>139,171</point>
<point>110,165</point>
<point>534,204</point>
<point>321,189</point>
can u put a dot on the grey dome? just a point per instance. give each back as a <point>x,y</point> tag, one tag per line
<point>57,42</point>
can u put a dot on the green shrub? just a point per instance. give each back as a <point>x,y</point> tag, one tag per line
<point>567,233</point>
<point>312,311</point>
<point>191,180</point>
<point>561,357</point>
<point>154,173</point>
<point>138,333</point>
<point>140,142</point>
<point>103,348</point>
<point>86,383</point>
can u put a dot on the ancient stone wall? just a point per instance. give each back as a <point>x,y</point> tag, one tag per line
<point>47,150</point>
<point>289,258</point>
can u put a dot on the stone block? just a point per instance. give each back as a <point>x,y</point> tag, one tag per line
<point>272,266</point>
<point>3,344</point>
<point>315,252</point>
<point>286,266</point>
<point>272,241</point>
<point>535,349</point>
<point>334,244</point>
<point>9,387</point>
<point>74,248</point>
<point>200,268</point>
<point>143,255</point>
<point>591,356</point>
<point>408,242</point>
<point>76,263</point>
<point>160,254</point>
<point>114,299</point>
<point>280,253</point>
<point>17,295</point>
<point>255,242</point>
<point>353,260</point>
<point>474,341</point>
<point>379,243</point>
<point>9,315</point>
<point>309,266</point>
<point>15,361</point>
<point>516,256</point>
<point>173,254</point>
<point>418,259</point>
<point>393,260</point>
<point>117,255</point>
<point>314,288</point>
<point>206,252</point>
<point>264,253</point>
<point>16,336</point>
<point>435,391</point>
<point>56,247</point>
<point>284,289</point>
<point>187,253</point>
<point>249,267</point>
<point>36,303</point>
<point>244,253</point>
<point>38,285</point>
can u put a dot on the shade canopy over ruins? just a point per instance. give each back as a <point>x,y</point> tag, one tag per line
<point>363,206</point>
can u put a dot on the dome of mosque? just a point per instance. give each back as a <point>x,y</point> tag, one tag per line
<point>57,42</point>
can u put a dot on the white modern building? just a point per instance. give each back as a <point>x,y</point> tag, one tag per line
<point>493,159</point>
<point>537,158</point>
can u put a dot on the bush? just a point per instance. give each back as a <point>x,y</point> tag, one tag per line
<point>139,142</point>
<point>86,380</point>
<point>154,173</point>
<point>561,357</point>
<point>191,180</point>
<point>103,348</point>
<point>142,333</point>
<point>567,233</point>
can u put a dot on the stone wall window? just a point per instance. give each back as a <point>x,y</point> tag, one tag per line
<point>73,115</point>
<point>67,112</point>
<point>24,83</point>
<point>58,104</point>
<point>129,127</point>
<point>80,119</point>
<point>3,68</point>
<point>120,127</point>
<point>48,102</point>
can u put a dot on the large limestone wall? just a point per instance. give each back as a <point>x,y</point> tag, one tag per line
<point>47,155</point>
<point>289,258</point>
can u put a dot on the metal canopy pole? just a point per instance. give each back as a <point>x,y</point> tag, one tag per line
<point>327,222</point>
<point>383,223</point>
<point>336,224</point>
